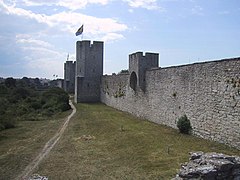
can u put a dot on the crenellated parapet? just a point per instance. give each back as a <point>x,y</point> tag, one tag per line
<point>138,64</point>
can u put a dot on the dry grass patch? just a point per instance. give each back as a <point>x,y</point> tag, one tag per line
<point>20,145</point>
<point>103,143</point>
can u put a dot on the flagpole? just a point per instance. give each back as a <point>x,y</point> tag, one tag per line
<point>82,31</point>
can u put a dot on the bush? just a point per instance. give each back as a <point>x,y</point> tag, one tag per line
<point>18,103</point>
<point>7,123</point>
<point>56,99</point>
<point>184,125</point>
<point>20,93</point>
<point>10,82</point>
<point>36,105</point>
<point>64,106</point>
<point>3,90</point>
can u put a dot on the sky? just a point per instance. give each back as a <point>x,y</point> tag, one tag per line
<point>36,36</point>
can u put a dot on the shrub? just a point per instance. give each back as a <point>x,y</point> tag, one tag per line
<point>57,99</point>
<point>36,105</point>
<point>3,90</point>
<point>7,123</point>
<point>64,106</point>
<point>3,105</point>
<point>184,125</point>
<point>26,104</point>
<point>10,82</point>
<point>21,93</point>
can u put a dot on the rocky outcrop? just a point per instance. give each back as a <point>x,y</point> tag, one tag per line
<point>210,166</point>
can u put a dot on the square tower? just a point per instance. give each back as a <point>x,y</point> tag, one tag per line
<point>89,69</point>
<point>138,64</point>
<point>69,76</point>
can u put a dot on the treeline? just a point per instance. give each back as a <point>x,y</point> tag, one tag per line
<point>28,100</point>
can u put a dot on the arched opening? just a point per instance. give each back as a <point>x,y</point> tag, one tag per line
<point>133,81</point>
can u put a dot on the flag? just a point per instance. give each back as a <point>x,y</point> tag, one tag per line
<point>79,31</point>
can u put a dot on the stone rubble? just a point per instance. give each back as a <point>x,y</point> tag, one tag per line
<point>37,177</point>
<point>210,166</point>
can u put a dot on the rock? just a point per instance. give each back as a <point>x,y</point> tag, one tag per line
<point>210,166</point>
<point>195,155</point>
<point>37,177</point>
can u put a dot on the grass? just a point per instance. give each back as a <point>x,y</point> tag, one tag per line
<point>120,147</point>
<point>19,146</point>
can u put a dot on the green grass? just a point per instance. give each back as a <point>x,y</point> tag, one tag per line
<point>124,147</point>
<point>19,146</point>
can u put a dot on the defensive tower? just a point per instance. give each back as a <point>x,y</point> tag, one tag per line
<point>138,64</point>
<point>69,76</point>
<point>89,69</point>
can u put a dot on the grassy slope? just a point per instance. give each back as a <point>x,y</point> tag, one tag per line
<point>143,150</point>
<point>19,146</point>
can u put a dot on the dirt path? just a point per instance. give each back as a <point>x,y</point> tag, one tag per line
<point>47,148</point>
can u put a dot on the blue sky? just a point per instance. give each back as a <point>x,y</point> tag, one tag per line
<point>37,35</point>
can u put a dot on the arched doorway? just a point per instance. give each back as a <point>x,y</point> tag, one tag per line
<point>133,81</point>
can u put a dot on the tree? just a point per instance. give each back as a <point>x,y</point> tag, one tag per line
<point>10,82</point>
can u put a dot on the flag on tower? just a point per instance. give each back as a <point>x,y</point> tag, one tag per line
<point>79,31</point>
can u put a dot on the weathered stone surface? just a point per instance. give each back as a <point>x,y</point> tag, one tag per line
<point>69,76</point>
<point>210,166</point>
<point>208,93</point>
<point>89,69</point>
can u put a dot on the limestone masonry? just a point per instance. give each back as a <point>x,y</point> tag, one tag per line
<point>89,70</point>
<point>208,93</point>
<point>69,76</point>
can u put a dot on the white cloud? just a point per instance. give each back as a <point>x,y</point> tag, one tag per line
<point>32,42</point>
<point>80,4</point>
<point>130,10</point>
<point>112,37</point>
<point>40,57</point>
<point>69,4</point>
<point>70,21</point>
<point>44,67</point>
<point>43,62</point>
<point>13,10</point>
<point>150,4</point>
<point>197,10</point>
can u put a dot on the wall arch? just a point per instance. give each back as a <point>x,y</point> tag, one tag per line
<point>133,81</point>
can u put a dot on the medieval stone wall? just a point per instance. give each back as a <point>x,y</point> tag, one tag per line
<point>208,93</point>
<point>69,76</point>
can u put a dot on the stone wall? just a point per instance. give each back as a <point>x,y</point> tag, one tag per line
<point>208,93</point>
<point>69,76</point>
